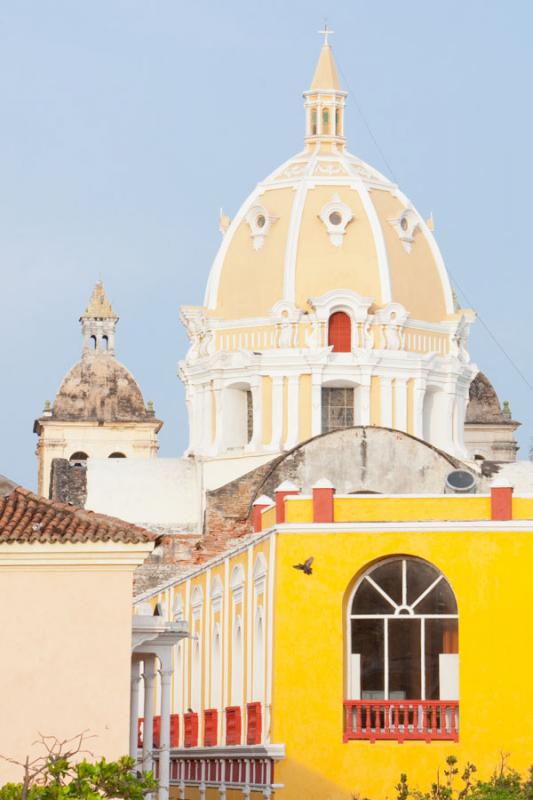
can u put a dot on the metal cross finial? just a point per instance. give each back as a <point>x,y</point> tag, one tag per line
<point>326,32</point>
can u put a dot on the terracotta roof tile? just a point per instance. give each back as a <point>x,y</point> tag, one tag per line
<point>25,517</point>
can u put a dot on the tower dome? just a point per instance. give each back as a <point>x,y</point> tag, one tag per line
<point>328,304</point>
<point>99,411</point>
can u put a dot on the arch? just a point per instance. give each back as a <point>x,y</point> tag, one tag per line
<point>216,667</point>
<point>340,332</point>
<point>93,342</point>
<point>237,577</point>
<point>116,454</point>
<point>260,566</point>
<point>237,662</point>
<point>325,120</point>
<point>78,456</point>
<point>216,588</point>
<point>105,342</point>
<point>402,633</point>
<point>259,656</point>
<point>197,597</point>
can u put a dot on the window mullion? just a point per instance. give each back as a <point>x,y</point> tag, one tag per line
<point>423,658</point>
<point>386,658</point>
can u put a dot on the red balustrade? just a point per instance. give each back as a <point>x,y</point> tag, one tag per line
<point>253,723</point>
<point>210,727</point>
<point>190,729</point>
<point>233,725</point>
<point>401,720</point>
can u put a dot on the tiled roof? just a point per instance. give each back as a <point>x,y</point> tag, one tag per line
<point>27,518</point>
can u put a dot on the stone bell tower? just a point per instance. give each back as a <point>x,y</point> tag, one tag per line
<point>99,410</point>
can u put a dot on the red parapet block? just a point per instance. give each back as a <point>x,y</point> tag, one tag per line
<point>323,494</point>
<point>258,507</point>
<point>140,725</point>
<point>501,502</point>
<point>190,729</point>
<point>233,725</point>
<point>284,490</point>
<point>174,730</point>
<point>210,727</point>
<point>253,723</point>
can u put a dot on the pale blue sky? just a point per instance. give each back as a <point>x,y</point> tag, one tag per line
<point>126,124</point>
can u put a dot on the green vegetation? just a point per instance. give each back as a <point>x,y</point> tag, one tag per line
<point>60,775</point>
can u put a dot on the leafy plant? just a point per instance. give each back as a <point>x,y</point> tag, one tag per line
<point>59,775</point>
<point>504,784</point>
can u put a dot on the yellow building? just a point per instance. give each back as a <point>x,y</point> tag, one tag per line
<point>402,641</point>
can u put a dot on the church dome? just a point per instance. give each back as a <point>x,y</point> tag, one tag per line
<point>99,388</point>
<point>325,221</point>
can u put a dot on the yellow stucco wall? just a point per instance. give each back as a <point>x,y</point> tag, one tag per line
<point>352,266</point>
<point>490,574</point>
<point>415,282</point>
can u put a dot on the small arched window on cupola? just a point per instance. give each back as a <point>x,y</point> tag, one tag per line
<point>325,120</point>
<point>313,122</point>
<point>340,332</point>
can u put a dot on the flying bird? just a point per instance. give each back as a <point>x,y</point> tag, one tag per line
<point>306,566</point>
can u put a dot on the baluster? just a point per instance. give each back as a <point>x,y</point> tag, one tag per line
<point>434,728</point>
<point>368,719</point>
<point>386,711</point>
<point>396,719</point>
<point>358,724</point>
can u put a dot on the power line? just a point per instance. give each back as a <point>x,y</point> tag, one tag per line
<point>502,349</point>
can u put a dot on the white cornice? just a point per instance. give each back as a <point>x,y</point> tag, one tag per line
<point>84,554</point>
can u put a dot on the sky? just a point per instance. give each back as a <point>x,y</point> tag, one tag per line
<point>126,124</point>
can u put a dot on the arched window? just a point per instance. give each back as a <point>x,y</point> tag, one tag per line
<point>403,634</point>
<point>93,342</point>
<point>340,332</point>
<point>78,456</point>
<point>196,654</point>
<point>105,342</point>
<point>403,662</point>
<point>117,455</point>
<point>313,122</point>
<point>325,121</point>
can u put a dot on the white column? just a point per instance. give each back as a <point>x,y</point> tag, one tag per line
<point>219,443</point>
<point>362,402</point>
<point>400,408</point>
<point>164,736</point>
<point>202,786</point>
<point>316,404</point>
<point>257,407</point>
<point>277,412</point>
<point>134,706</point>
<point>418,407</point>
<point>149,675</point>
<point>319,120</point>
<point>293,398</point>
<point>386,401</point>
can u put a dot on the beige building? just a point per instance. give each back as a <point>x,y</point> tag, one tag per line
<point>66,621</point>
<point>99,411</point>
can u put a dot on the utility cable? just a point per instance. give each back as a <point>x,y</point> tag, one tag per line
<point>492,336</point>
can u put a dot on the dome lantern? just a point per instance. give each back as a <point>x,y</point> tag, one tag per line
<point>324,102</point>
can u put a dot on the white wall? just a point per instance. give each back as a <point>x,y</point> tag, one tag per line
<point>157,491</point>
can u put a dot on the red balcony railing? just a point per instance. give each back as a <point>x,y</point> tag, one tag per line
<point>401,720</point>
<point>253,723</point>
<point>233,725</point>
<point>190,729</point>
<point>210,727</point>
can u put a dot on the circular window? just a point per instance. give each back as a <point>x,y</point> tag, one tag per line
<point>404,223</point>
<point>260,221</point>
<point>335,218</point>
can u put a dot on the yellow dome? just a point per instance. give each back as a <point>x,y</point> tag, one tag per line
<point>326,221</point>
